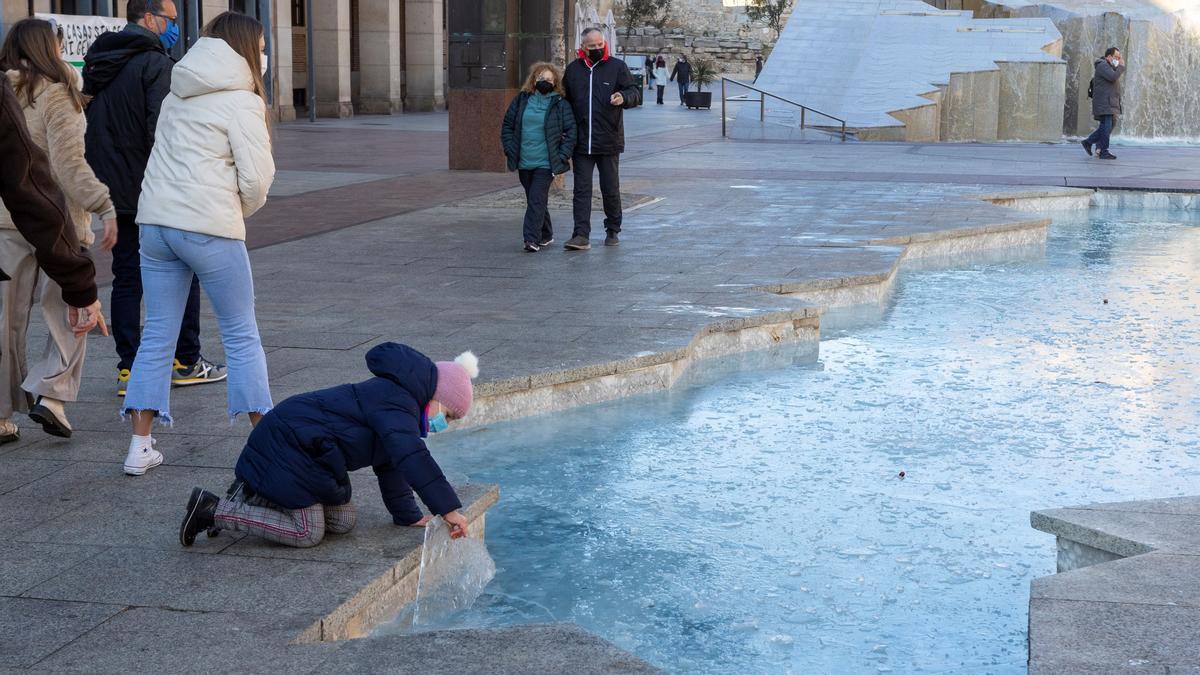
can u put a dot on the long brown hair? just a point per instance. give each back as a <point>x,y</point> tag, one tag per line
<point>242,33</point>
<point>535,70</point>
<point>32,49</point>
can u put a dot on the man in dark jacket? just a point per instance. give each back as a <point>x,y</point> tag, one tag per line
<point>1106,100</point>
<point>129,74</point>
<point>39,211</point>
<point>293,482</point>
<point>682,73</point>
<point>599,88</point>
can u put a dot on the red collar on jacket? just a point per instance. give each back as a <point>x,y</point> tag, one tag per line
<point>583,55</point>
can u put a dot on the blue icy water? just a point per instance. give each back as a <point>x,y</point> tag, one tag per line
<point>758,523</point>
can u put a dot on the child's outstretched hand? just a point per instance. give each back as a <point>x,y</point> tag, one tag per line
<point>457,523</point>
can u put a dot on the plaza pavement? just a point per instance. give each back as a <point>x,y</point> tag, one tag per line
<point>369,238</point>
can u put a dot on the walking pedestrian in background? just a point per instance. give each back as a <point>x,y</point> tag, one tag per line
<point>648,69</point>
<point>1105,90</point>
<point>538,136</point>
<point>758,66</point>
<point>660,76</point>
<point>213,128</point>
<point>682,73</point>
<point>128,73</point>
<point>598,88</point>
<point>48,91</point>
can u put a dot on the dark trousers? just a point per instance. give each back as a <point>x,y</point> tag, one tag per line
<point>683,91</point>
<point>661,89</point>
<point>537,212</point>
<point>1100,136</point>
<point>126,305</point>
<point>610,190</point>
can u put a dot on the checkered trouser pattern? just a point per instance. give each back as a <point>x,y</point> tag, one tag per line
<point>301,528</point>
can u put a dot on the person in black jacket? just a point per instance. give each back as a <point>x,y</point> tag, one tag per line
<point>682,73</point>
<point>598,88</point>
<point>538,136</point>
<point>128,74</point>
<point>293,483</point>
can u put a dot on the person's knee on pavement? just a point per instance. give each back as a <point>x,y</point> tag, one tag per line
<point>302,452</point>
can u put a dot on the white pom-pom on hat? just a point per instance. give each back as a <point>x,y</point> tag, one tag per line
<point>454,389</point>
<point>469,362</point>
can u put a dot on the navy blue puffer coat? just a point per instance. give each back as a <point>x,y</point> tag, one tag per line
<point>301,452</point>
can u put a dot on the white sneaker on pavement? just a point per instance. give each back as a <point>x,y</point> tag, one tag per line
<point>141,458</point>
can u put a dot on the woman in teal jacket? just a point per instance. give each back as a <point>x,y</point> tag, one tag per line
<point>539,138</point>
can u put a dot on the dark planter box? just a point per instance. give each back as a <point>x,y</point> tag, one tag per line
<point>698,99</point>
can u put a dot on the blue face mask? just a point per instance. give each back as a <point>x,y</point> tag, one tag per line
<point>171,36</point>
<point>438,423</point>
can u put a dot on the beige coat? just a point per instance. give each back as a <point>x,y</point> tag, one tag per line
<point>58,128</point>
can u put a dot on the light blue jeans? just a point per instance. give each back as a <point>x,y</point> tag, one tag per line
<point>169,258</point>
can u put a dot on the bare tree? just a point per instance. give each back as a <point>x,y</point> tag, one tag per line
<point>769,12</point>
<point>637,13</point>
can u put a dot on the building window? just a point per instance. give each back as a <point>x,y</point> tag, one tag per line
<point>297,12</point>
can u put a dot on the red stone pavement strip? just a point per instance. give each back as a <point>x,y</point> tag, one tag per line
<point>304,215</point>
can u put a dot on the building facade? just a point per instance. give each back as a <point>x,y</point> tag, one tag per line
<point>366,56</point>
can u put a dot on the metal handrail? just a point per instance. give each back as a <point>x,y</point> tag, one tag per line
<point>762,105</point>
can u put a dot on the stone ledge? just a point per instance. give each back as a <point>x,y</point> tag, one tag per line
<point>1135,613</point>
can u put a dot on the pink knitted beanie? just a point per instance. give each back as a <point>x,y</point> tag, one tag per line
<point>454,390</point>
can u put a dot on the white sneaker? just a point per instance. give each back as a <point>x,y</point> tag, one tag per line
<point>139,461</point>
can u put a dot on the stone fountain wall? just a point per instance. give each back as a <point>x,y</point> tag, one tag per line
<point>1159,38</point>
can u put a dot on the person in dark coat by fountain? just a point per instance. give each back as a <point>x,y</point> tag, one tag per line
<point>599,88</point>
<point>292,479</point>
<point>538,136</point>
<point>1106,100</point>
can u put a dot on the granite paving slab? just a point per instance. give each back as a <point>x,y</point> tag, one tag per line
<point>34,629</point>
<point>1140,610</point>
<point>199,642</point>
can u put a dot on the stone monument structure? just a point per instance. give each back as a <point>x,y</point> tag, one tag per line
<point>1161,43</point>
<point>906,71</point>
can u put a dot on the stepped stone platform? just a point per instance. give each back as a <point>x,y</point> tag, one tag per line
<point>903,70</point>
<point>1127,595</point>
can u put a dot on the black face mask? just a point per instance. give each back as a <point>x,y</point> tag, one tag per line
<point>543,87</point>
<point>594,55</point>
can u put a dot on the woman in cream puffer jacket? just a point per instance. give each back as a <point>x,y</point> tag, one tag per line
<point>48,90</point>
<point>210,168</point>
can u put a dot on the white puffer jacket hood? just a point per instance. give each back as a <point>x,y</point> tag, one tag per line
<point>211,165</point>
<point>210,65</point>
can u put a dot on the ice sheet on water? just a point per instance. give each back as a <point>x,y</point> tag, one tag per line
<point>453,573</point>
